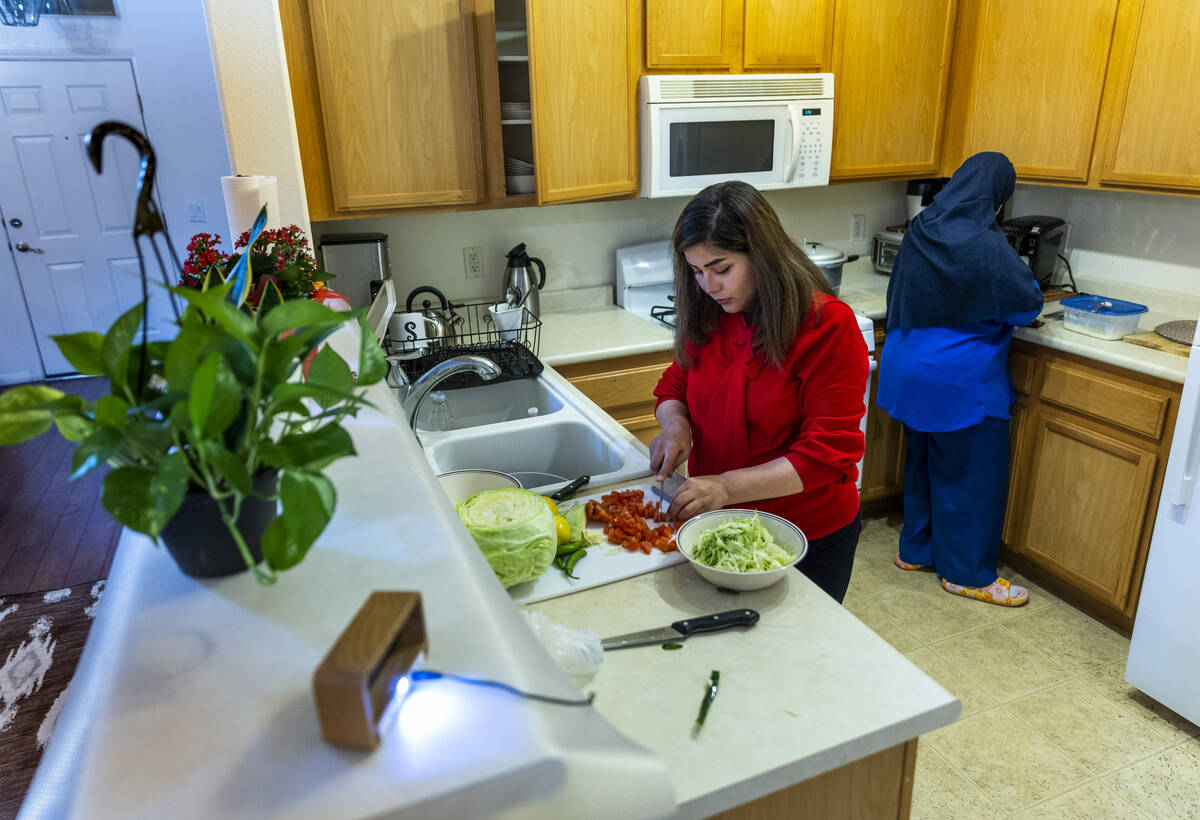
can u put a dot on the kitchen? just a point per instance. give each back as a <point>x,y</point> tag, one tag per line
<point>1122,244</point>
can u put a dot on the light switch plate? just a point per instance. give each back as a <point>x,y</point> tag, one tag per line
<point>195,211</point>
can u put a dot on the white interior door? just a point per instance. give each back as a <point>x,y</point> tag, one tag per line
<point>69,228</point>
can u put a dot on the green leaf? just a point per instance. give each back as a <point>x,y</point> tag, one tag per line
<point>227,466</point>
<point>184,353</point>
<point>372,365</point>
<point>72,426</point>
<point>120,336</point>
<point>27,411</point>
<point>308,502</point>
<point>292,391</point>
<point>215,398</point>
<point>312,451</point>
<point>82,350</point>
<point>214,306</point>
<point>111,411</point>
<point>95,450</point>
<point>330,371</point>
<point>144,499</point>
<point>270,298</point>
<point>299,313</point>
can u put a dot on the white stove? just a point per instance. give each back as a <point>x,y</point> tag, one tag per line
<point>646,287</point>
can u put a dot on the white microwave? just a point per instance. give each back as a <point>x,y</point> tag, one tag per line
<point>770,130</point>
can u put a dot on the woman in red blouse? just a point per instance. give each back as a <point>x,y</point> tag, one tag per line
<point>765,395</point>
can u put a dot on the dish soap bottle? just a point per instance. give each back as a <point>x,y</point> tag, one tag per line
<point>440,417</point>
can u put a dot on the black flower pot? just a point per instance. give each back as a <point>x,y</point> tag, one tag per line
<point>200,543</point>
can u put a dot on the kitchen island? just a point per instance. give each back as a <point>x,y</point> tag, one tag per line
<point>193,698</point>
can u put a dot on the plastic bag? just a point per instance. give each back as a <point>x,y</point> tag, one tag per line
<point>576,651</point>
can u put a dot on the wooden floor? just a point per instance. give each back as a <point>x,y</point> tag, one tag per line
<point>53,531</point>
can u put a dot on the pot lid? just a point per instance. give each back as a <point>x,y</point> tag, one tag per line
<point>823,254</point>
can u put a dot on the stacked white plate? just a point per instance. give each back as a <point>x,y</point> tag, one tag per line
<point>518,176</point>
<point>515,167</point>
<point>515,111</point>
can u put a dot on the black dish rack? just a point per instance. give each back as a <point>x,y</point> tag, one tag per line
<point>468,328</point>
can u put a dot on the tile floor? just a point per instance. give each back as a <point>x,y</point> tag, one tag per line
<point>1049,728</point>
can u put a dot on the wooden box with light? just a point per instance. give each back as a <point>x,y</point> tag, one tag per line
<point>357,679</point>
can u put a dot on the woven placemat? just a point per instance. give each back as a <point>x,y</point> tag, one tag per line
<point>1180,330</point>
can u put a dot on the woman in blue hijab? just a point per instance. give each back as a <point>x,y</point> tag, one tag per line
<point>957,291</point>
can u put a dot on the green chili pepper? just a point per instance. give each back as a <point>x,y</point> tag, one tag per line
<point>568,548</point>
<point>710,692</point>
<point>573,559</point>
<point>672,646</point>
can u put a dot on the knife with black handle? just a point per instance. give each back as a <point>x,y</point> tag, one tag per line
<point>683,629</point>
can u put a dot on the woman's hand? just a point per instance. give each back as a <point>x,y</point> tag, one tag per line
<point>671,447</point>
<point>697,495</point>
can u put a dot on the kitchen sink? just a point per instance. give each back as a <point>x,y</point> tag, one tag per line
<point>569,436</point>
<point>492,403</point>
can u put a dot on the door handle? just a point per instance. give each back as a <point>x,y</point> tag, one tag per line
<point>23,247</point>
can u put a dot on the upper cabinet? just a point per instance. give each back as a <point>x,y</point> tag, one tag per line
<point>891,65</point>
<point>1152,116</point>
<point>400,101</point>
<point>736,35</point>
<point>1028,82</point>
<point>583,78</point>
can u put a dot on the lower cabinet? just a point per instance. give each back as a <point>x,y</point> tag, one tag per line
<point>623,387</point>
<point>883,463</point>
<point>1089,448</point>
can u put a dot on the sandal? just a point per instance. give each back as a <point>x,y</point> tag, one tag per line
<point>905,565</point>
<point>999,592</point>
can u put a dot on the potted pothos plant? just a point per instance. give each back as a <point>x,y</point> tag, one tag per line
<point>207,432</point>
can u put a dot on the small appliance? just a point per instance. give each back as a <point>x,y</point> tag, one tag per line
<point>919,193</point>
<point>357,260</point>
<point>884,249</point>
<point>770,130</point>
<point>521,284</point>
<point>1038,240</point>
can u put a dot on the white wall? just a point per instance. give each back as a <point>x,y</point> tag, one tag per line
<point>578,243</point>
<point>1152,240</point>
<point>168,45</point>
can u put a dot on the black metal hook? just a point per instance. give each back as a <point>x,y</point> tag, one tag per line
<point>147,219</point>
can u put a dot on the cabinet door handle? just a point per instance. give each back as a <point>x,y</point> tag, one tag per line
<point>23,247</point>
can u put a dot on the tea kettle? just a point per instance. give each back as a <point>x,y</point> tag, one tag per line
<point>520,285</point>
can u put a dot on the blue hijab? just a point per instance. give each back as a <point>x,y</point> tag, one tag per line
<point>955,265</point>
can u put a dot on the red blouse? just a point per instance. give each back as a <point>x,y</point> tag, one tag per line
<point>745,411</point>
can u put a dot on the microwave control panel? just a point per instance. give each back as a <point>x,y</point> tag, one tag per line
<point>814,124</point>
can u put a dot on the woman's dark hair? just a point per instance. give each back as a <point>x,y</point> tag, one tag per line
<point>734,216</point>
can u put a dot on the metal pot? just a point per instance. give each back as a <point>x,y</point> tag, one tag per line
<point>829,260</point>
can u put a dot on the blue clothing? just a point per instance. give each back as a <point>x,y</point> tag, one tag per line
<point>955,265</point>
<point>955,490</point>
<point>939,379</point>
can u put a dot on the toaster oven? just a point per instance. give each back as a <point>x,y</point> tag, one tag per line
<point>884,249</point>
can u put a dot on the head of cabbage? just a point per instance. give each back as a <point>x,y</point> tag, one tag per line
<point>515,531</point>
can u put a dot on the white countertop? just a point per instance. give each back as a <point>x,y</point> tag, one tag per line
<point>193,698</point>
<point>592,333</point>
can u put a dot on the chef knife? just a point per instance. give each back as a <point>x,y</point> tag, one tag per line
<point>682,629</point>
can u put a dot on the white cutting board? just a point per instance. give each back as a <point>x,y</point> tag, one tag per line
<point>605,562</point>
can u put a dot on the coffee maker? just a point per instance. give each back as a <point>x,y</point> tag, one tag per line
<point>919,194</point>
<point>1038,240</point>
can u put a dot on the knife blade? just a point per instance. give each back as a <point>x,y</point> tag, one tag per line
<point>680,630</point>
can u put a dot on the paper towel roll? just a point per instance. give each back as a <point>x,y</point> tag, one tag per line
<point>244,196</point>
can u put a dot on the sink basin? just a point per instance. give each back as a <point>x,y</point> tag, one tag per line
<point>568,436</point>
<point>492,403</point>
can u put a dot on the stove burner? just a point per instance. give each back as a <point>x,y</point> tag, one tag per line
<point>664,313</point>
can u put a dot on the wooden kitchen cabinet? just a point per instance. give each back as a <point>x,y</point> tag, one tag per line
<point>583,78</point>
<point>1027,81</point>
<point>1149,128</point>
<point>736,35</point>
<point>623,387</point>
<point>891,64</point>
<point>883,462</point>
<point>394,141</point>
<point>1089,449</point>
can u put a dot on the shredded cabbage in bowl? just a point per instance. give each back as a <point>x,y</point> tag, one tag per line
<point>741,545</point>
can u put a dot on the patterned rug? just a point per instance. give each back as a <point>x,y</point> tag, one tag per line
<point>41,636</point>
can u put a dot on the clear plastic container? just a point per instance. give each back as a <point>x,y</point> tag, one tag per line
<point>1101,317</point>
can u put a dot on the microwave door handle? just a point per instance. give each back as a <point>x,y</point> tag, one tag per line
<point>794,128</point>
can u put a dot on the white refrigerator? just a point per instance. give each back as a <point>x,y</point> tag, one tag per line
<point>1164,654</point>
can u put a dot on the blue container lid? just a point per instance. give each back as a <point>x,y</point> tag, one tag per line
<point>1104,306</point>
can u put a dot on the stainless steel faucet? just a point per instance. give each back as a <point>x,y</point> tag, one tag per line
<point>413,393</point>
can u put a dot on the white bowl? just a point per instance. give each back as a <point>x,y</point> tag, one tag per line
<point>459,485</point>
<point>785,533</point>
<point>519,183</point>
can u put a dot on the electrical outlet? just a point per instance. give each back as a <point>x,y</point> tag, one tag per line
<point>858,228</point>
<point>473,261</point>
<point>195,211</point>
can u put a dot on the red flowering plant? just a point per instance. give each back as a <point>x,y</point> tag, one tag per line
<point>281,262</point>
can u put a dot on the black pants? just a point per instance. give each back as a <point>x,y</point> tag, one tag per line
<point>831,558</point>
